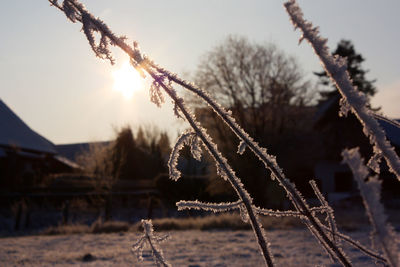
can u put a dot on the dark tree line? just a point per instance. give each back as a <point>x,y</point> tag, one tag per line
<point>128,157</point>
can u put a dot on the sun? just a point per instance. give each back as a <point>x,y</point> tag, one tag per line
<point>127,80</point>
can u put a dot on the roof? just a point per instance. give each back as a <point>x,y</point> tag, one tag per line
<point>390,126</point>
<point>15,132</point>
<point>392,130</point>
<point>67,162</point>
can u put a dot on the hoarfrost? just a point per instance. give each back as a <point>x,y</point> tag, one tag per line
<point>371,194</point>
<point>174,173</point>
<point>156,95</point>
<point>243,213</point>
<point>344,107</point>
<point>195,147</point>
<point>214,207</point>
<point>152,240</point>
<point>329,211</point>
<point>374,161</point>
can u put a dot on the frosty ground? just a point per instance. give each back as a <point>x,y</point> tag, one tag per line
<point>292,247</point>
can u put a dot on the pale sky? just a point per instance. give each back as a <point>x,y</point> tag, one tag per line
<point>52,80</point>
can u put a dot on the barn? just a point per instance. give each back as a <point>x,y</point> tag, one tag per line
<point>25,156</point>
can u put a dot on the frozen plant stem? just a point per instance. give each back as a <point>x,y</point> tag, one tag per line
<point>152,240</point>
<point>370,192</point>
<point>77,12</point>
<point>222,163</point>
<point>352,99</point>
<point>270,163</point>
<point>328,209</point>
<point>222,207</point>
<point>162,79</point>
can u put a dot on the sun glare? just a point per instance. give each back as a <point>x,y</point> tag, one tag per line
<point>127,80</point>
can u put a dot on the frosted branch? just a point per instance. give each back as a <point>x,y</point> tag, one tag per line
<point>224,168</point>
<point>144,63</point>
<point>329,211</point>
<point>152,240</point>
<point>357,245</point>
<point>226,206</point>
<point>195,148</point>
<point>76,12</point>
<point>214,207</point>
<point>174,173</point>
<point>278,213</point>
<point>370,192</point>
<point>336,67</point>
<point>156,95</point>
<point>269,161</point>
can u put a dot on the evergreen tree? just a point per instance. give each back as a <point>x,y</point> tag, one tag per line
<point>342,132</point>
<point>345,49</point>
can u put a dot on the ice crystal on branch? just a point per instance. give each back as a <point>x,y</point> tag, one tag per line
<point>156,95</point>
<point>70,11</point>
<point>177,112</point>
<point>195,147</point>
<point>344,107</point>
<point>243,213</point>
<point>374,162</point>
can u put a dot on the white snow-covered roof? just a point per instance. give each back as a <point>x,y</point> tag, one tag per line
<point>14,132</point>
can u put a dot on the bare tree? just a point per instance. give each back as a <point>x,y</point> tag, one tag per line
<point>263,87</point>
<point>270,97</point>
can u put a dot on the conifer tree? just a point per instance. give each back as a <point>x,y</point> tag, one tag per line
<point>345,49</point>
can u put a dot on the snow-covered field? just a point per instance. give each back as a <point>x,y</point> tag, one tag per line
<point>294,247</point>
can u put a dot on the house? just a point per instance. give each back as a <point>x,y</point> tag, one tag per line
<point>335,178</point>
<point>25,156</point>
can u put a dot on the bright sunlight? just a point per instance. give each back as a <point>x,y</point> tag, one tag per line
<point>127,80</point>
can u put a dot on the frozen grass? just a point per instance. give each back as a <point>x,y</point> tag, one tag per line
<point>292,247</point>
<point>97,227</point>
<point>226,221</point>
<point>109,227</point>
<point>348,219</point>
<point>66,229</point>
